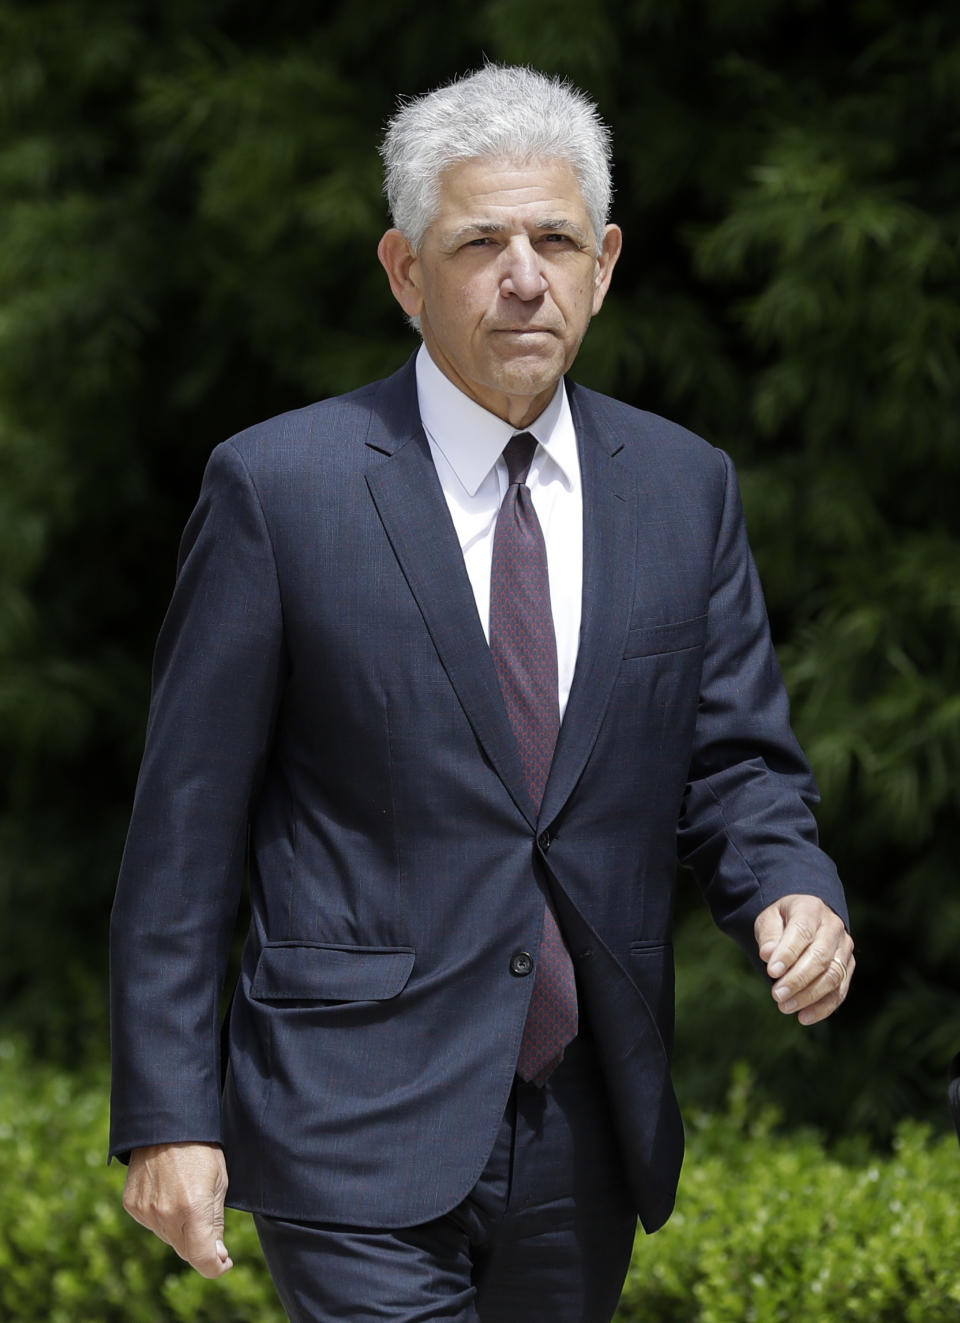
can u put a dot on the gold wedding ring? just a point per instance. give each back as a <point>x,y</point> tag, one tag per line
<point>843,968</point>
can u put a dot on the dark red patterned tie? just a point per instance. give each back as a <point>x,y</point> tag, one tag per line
<point>524,649</point>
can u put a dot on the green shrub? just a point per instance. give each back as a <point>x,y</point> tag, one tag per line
<point>68,1251</point>
<point>769,1226</point>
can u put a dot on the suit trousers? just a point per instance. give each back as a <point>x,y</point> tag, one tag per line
<point>545,1236</point>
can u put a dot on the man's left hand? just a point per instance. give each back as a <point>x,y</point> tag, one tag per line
<point>808,954</point>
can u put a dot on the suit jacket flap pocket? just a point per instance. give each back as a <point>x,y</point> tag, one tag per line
<point>649,640</point>
<point>313,972</point>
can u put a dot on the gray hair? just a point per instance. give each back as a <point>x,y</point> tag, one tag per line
<point>500,111</point>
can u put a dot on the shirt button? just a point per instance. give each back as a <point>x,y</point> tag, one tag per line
<point>521,964</point>
<point>544,841</point>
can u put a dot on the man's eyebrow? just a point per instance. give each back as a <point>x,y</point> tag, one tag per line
<point>546,225</point>
<point>561,225</point>
<point>473,230</point>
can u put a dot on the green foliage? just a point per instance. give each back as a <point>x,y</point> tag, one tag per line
<point>772,1229</point>
<point>769,1228</point>
<point>891,1067</point>
<point>189,206</point>
<point>68,1252</point>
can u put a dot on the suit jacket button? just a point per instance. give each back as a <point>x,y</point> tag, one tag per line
<point>544,841</point>
<point>521,964</point>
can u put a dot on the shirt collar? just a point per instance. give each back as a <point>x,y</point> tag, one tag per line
<point>472,439</point>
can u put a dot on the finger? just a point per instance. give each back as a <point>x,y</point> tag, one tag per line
<point>815,964</point>
<point>202,1242</point>
<point>799,932</point>
<point>785,929</point>
<point>820,997</point>
<point>826,956</point>
<point>811,935</point>
<point>825,1006</point>
<point>767,931</point>
<point>201,1246</point>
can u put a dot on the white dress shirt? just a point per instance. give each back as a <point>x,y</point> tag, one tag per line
<point>467,442</point>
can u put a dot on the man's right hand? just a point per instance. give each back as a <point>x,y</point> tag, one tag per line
<point>177,1192</point>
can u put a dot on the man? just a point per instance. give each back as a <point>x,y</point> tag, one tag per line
<point>454,662</point>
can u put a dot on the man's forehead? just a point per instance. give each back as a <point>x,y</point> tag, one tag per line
<point>487,192</point>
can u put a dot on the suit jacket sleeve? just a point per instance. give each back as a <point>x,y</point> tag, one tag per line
<point>747,827</point>
<point>217,675</point>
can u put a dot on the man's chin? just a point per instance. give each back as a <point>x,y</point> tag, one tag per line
<point>535,368</point>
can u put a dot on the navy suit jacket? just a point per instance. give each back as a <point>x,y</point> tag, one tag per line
<point>326,709</point>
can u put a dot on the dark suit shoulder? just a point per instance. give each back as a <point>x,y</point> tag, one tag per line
<point>621,424</point>
<point>381,411</point>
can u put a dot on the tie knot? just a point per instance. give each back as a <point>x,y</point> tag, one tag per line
<point>518,455</point>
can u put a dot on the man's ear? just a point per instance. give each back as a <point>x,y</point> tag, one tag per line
<point>400,263</point>
<point>609,252</point>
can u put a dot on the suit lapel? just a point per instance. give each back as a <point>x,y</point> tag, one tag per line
<point>411,505</point>
<point>609,559</point>
<point>412,508</point>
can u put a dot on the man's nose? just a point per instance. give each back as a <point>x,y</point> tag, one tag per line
<point>522,271</point>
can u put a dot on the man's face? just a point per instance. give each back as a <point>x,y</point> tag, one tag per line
<point>506,280</point>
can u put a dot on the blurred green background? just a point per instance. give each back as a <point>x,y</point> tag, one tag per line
<point>189,206</point>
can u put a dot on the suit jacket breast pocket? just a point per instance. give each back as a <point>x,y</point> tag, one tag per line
<point>317,972</point>
<point>655,640</point>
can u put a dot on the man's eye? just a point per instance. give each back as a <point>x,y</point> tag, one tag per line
<point>556,239</point>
